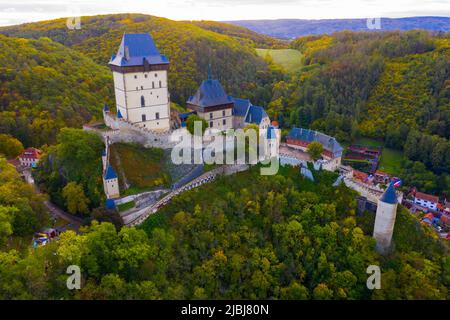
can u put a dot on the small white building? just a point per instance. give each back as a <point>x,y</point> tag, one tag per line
<point>30,157</point>
<point>426,200</point>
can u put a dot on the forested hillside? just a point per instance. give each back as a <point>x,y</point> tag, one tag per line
<point>21,209</point>
<point>190,49</point>
<point>45,86</point>
<point>389,86</point>
<point>244,236</point>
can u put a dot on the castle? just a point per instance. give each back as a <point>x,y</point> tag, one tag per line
<point>143,115</point>
<point>140,75</point>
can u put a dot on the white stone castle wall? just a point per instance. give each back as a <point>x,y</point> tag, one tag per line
<point>152,85</point>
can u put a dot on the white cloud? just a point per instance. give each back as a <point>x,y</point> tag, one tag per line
<point>34,10</point>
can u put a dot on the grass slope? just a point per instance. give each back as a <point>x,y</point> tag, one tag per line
<point>141,168</point>
<point>391,159</point>
<point>291,60</point>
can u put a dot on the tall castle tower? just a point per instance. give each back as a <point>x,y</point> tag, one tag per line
<point>385,219</point>
<point>141,83</point>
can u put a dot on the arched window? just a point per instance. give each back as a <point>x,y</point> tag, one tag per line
<point>142,101</point>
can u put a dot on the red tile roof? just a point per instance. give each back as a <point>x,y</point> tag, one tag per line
<point>427,197</point>
<point>31,153</point>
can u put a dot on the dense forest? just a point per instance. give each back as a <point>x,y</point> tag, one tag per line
<point>243,236</point>
<point>71,171</point>
<point>21,209</point>
<point>392,86</point>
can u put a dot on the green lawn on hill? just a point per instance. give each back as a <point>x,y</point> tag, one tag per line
<point>391,159</point>
<point>142,168</point>
<point>291,60</point>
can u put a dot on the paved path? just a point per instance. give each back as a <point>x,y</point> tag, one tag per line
<point>57,212</point>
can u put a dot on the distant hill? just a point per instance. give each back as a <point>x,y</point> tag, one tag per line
<point>244,35</point>
<point>292,28</point>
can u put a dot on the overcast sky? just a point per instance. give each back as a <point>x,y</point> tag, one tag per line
<point>18,11</point>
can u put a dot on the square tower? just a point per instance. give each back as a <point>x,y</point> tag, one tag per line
<point>141,82</point>
<point>211,103</point>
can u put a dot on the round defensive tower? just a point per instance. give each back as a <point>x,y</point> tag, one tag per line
<point>385,219</point>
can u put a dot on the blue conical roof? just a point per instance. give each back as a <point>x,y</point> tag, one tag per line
<point>389,195</point>
<point>119,114</point>
<point>110,173</point>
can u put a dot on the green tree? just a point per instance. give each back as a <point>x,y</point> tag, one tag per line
<point>10,146</point>
<point>6,219</point>
<point>315,150</point>
<point>76,200</point>
<point>190,123</point>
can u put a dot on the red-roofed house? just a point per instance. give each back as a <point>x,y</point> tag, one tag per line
<point>30,157</point>
<point>426,200</point>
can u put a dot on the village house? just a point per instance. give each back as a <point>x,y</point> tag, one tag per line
<point>426,200</point>
<point>30,157</point>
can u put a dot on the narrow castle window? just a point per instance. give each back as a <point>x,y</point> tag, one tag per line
<point>153,84</point>
<point>160,84</point>
<point>144,118</point>
<point>142,101</point>
<point>135,76</point>
<point>157,115</point>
